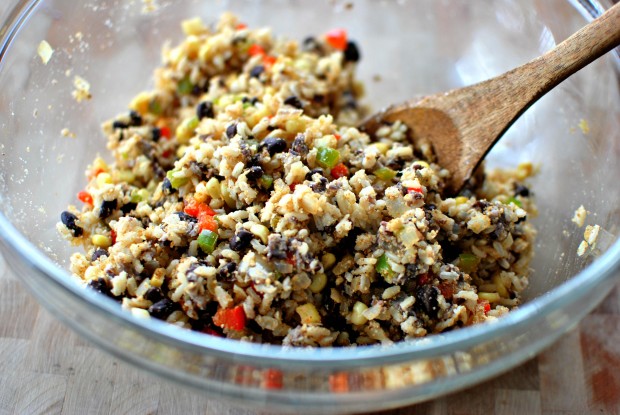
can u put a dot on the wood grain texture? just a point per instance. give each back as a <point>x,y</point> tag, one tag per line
<point>47,369</point>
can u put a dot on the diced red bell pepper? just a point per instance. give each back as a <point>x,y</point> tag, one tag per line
<point>269,60</point>
<point>485,305</point>
<point>290,258</point>
<point>273,379</point>
<point>85,197</point>
<point>203,213</point>
<point>256,49</point>
<point>113,236</point>
<point>230,318</point>
<point>165,132</point>
<point>207,222</point>
<point>195,208</point>
<point>339,170</point>
<point>241,26</point>
<point>166,153</point>
<point>414,190</point>
<point>337,38</point>
<point>292,186</point>
<point>338,136</point>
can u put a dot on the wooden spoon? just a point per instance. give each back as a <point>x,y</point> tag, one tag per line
<point>463,124</point>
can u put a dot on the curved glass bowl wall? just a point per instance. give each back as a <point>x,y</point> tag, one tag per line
<point>409,48</point>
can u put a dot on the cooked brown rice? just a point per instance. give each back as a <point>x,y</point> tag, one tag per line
<point>243,202</point>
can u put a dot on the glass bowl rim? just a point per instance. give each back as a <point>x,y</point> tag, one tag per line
<point>603,268</point>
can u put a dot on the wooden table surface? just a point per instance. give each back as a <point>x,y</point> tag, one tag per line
<point>45,368</point>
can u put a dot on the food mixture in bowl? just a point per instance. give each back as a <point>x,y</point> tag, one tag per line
<point>243,202</point>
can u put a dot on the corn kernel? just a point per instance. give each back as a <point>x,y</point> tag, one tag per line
<point>490,297</point>
<point>357,316</point>
<point>501,288</point>
<point>226,195</point>
<point>181,151</point>
<point>158,277</point>
<point>295,125</point>
<point>308,314</point>
<point>101,241</point>
<point>213,188</point>
<point>140,103</point>
<point>186,129</point>
<point>421,163</point>
<point>328,260</point>
<point>104,178</point>
<point>140,313</point>
<point>319,281</point>
<point>192,47</point>
<point>99,164</point>
<point>524,170</point>
<point>382,147</point>
<point>260,231</point>
<point>460,200</point>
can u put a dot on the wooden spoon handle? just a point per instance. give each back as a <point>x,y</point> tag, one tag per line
<point>542,74</point>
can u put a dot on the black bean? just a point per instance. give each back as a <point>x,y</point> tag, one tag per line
<point>277,247</point>
<point>68,219</point>
<point>241,240</point>
<point>320,186</point>
<point>99,252</point>
<point>225,273</point>
<point>205,110</point>
<point>128,207</point>
<point>318,98</point>
<point>351,53</point>
<point>119,125</point>
<point>481,204</point>
<point>255,160</point>
<point>154,294</point>
<point>156,133</point>
<point>521,190</point>
<point>426,300</point>
<point>247,100</point>
<point>231,130</point>
<point>162,309</point>
<point>166,187</point>
<point>274,145</point>
<point>107,207</point>
<point>254,172</point>
<point>313,172</point>
<point>185,217</point>
<point>311,44</point>
<point>299,145</point>
<point>135,119</point>
<point>257,71</point>
<point>99,285</point>
<point>294,101</point>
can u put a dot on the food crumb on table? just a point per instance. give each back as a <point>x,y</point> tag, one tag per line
<point>243,202</point>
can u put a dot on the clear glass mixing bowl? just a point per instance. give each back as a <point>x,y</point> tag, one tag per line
<point>409,47</point>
